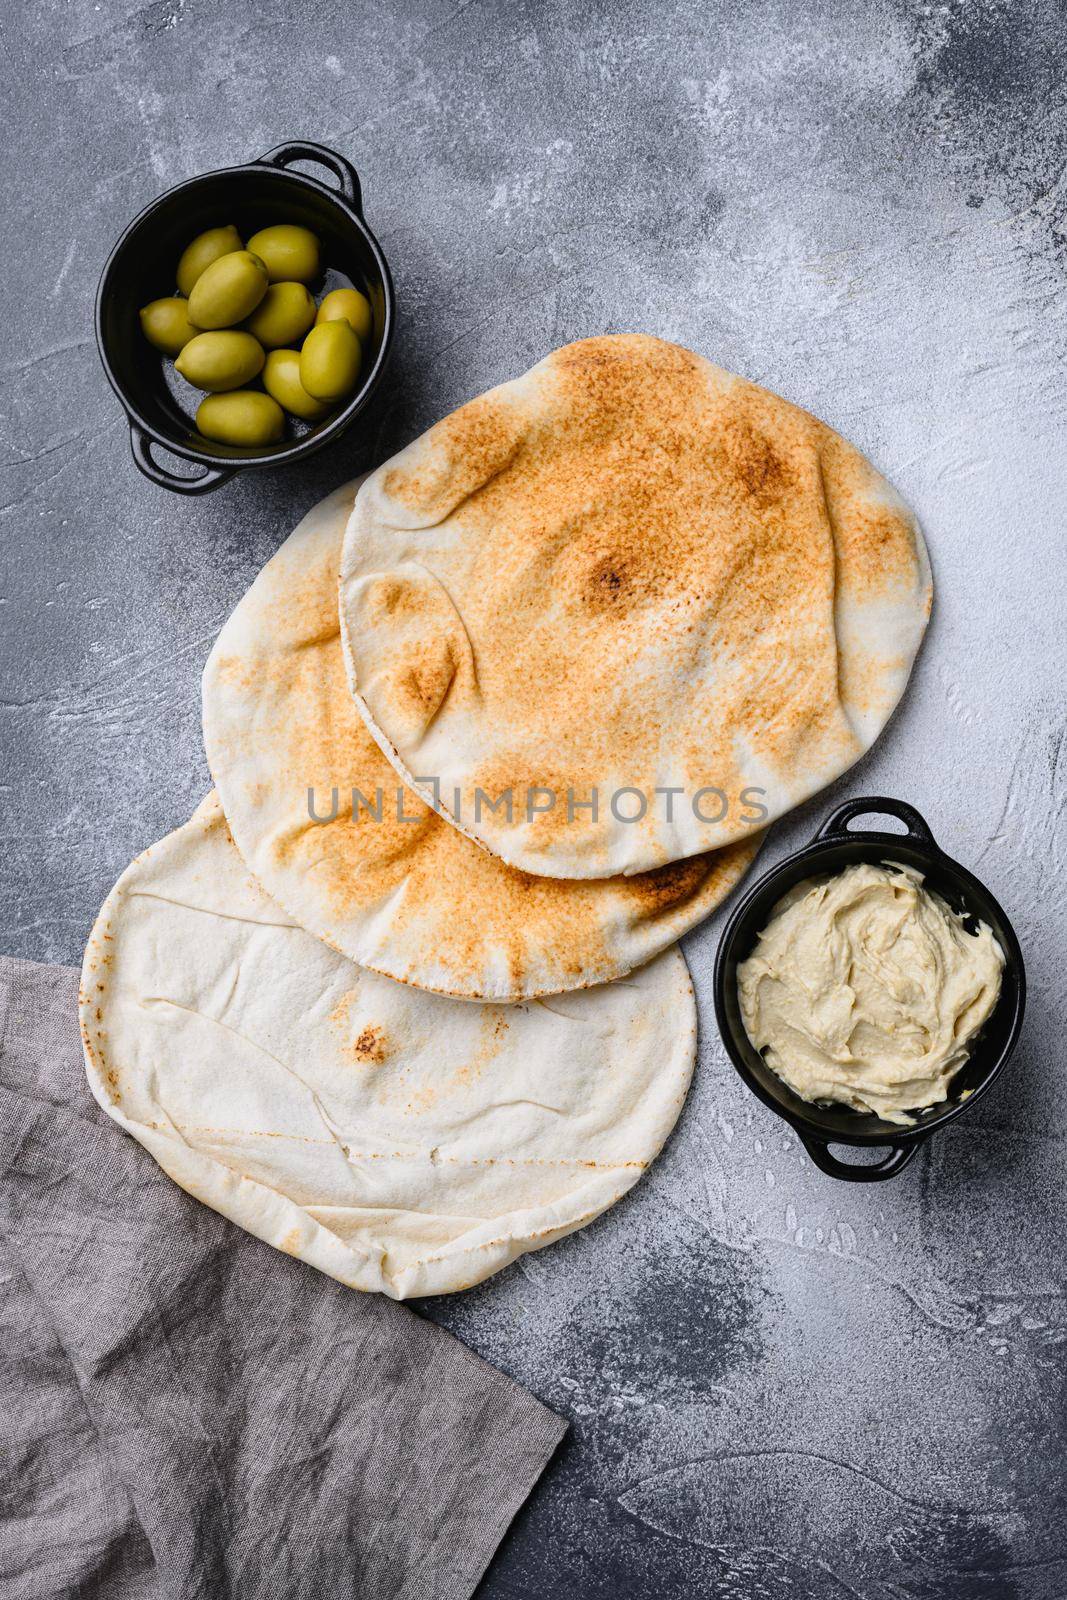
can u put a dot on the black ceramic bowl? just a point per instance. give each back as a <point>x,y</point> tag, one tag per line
<point>160,406</point>
<point>835,847</point>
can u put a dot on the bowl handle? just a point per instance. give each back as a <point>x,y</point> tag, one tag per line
<point>141,445</point>
<point>838,821</point>
<point>897,1159</point>
<point>303,150</point>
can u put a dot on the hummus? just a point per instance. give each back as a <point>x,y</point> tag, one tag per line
<point>867,989</point>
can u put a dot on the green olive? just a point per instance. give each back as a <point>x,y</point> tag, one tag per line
<point>165,324</point>
<point>244,416</point>
<point>283,316</point>
<point>281,378</point>
<point>228,291</point>
<point>205,248</point>
<point>330,360</point>
<point>291,253</point>
<point>350,305</point>
<point>218,361</point>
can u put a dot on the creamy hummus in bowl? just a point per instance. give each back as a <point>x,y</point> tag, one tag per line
<point>868,989</point>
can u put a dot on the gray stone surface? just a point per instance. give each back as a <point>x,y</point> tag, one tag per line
<point>780,1386</point>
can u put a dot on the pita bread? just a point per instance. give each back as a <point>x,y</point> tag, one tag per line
<point>627,570</point>
<point>414,898</point>
<point>397,1140</point>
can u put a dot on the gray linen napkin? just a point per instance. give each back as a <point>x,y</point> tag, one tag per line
<point>187,1413</point>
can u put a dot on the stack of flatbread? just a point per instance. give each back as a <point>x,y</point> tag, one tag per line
<point>487,737</point>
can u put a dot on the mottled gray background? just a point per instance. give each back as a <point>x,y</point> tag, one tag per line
<point>780,1386</point>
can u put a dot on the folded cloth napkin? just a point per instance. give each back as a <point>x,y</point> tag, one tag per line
<point>187,1412</point>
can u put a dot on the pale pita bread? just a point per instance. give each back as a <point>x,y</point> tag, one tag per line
<point>627,570</point>
<point>413,898</point>
<point>397,1140</point>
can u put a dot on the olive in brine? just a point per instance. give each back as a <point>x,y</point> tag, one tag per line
<point>291,253</point>
<point>281,378</point>
<point>219,361</point>
<point>165,324</point>
<point>242,417</point>
<point>330,360</point>
<point>350,306</point>
<point>283,316</point>
<point>205,248</point>
<point>228,291</point>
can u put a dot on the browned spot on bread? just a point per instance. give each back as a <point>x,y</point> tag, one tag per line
<point>389,597</point>
<point>370,1045</point>
<point>365,1043</point>
<point>429,674</point>
<point>667,891</point>
<point>753,461</point>
<point>608,583</point>
<point>456,459</point>
<point>874,537</point>
<point>667,886</point>
<point>234,670</point>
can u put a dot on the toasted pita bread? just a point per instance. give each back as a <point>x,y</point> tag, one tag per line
<point>394,1139</point>
<point>388,883</point>
<point>628,570</point>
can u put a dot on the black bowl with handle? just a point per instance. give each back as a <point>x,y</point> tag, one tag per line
<point>834,848</point>
<point>160,406</point>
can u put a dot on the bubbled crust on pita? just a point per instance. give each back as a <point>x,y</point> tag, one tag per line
<point>628,568</point>
<point>414,899</point>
